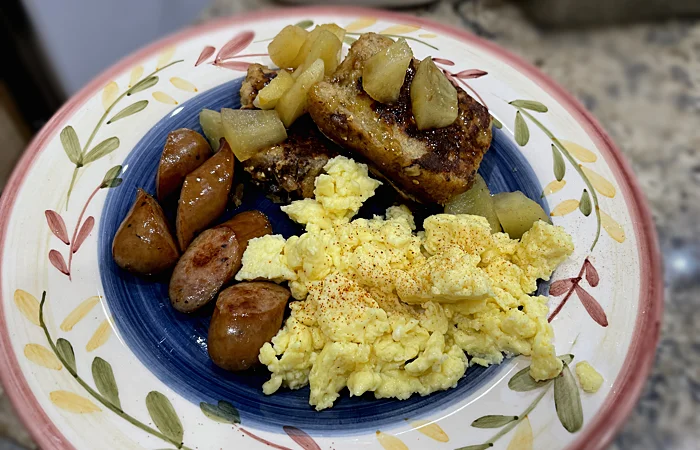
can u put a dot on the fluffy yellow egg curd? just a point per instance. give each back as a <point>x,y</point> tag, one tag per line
<point>384,309</point>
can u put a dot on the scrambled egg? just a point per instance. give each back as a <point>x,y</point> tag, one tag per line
<point>338,195</point>
<point>385,309</point>
<point>589,378</point>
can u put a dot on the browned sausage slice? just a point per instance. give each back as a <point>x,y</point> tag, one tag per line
<point>246,316</point>
<point>212,260</point>
<point>248,225</point>
<point>184,151</point>
<point>143,243</point>
<point>204,195</point>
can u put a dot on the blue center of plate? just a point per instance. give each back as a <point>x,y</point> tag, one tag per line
<point>173,346</point>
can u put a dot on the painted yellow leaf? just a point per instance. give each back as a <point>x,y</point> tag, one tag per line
<point>522,439</point>
<point>183,84</point>
<point>613,228</point>
<point>428,35</point>
<point>79,313</point>
<point>135,76</point>
<point>38,354</point>
<point>432,430</point>
<point>165,57</point>
<point>100,337</point>
<point>27,305</point>
<point>578,152</point>
<point>390,442</point>
<point>400,29</point>
<point>164,98</point>
<point>554,186</point>
<point>603,186</point>
<point>564,208</point>
<point>361,23</point>
<point>72,402</point>
<point>109,94</point>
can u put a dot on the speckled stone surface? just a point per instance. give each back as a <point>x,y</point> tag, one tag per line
<point>643,83</point>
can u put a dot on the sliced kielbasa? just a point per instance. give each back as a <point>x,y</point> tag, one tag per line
<point>246,316</point>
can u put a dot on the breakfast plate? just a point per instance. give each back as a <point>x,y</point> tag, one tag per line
<point>93,357</point>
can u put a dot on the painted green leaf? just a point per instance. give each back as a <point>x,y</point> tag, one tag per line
<point>475,447</point>
<point>522,133</point>
<point>493,421</point>
<point>111,178</point>
<point>305,24</point>
<point>212,412</point>
<point>104,380</point>
<point>129,110</point>
<point>530,104</point>
<point>496,123</point>
<point>567,401</point>
<point>164,416</point>
<point>558,162</point>
<point>104,148</point>
<point>65,351</point>
<point>349,40</point>
<point>224,412</point>
<point>71,144</point>
<point>115,182</point>
<point>523,382</point>
<point>229,409</point>
<point>143,85</point>
<point>585,203</point>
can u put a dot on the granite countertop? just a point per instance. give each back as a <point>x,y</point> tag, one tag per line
<point>643,83</point>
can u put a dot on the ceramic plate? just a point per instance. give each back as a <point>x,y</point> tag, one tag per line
<point>94,358</point>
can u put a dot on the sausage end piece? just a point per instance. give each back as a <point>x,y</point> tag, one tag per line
<point>247,315</point>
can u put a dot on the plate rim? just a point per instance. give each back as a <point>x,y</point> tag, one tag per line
<point>639,360</point>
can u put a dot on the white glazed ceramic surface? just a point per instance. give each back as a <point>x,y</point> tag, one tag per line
<point>63,413</point>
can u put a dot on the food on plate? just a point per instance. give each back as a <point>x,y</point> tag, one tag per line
<point>184,151</point>
<point>204,195</point>
<point>213,129</point>
<point>433,97</point>
<point>143,244</point>
<point>517,213</point>
<point>589,378</point>
<point>287,170</point>
<point>248,131</point>
<point>212,259</point>
<point>430,166</point>
<point>285,47</point>
<point>338,31</point>
<point>257,77</point>
<point>384,73</point>
<point>324,41</point>
<point>338,195</point>
<point>294,102</point>
<point>381,305</point>
<point>476,201</point>
<point>269,95</point>
<point>378,314</point>
<point>248,225</point>
<point>326,46</point>
<point>246,316</point>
